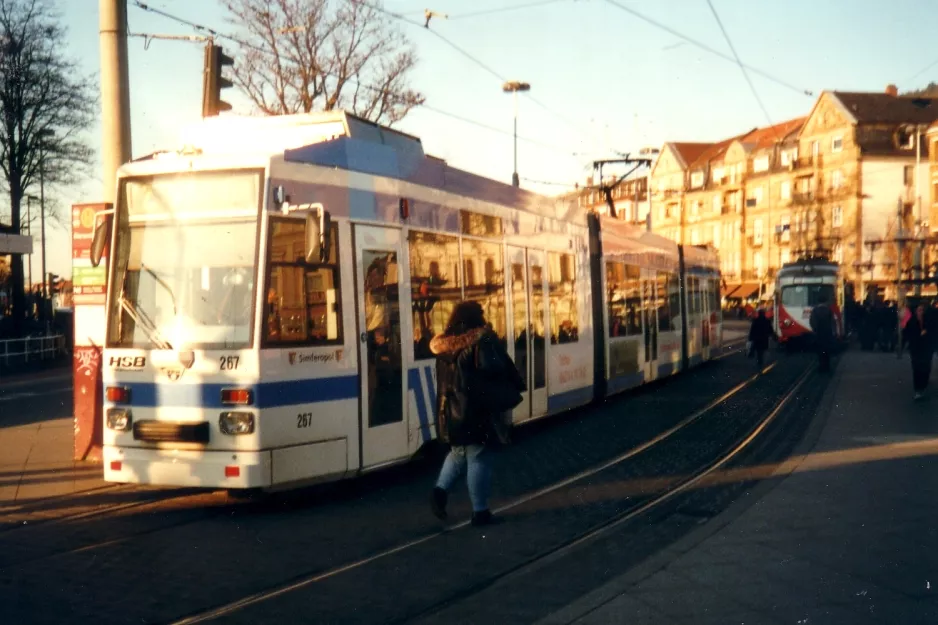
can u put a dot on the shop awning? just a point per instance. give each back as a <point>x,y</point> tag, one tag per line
<point>746,290</point>
<point>727,290</point>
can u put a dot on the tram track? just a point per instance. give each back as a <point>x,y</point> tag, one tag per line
<point>612,523</point>
<point>157,500</point>
<point>313,578</point>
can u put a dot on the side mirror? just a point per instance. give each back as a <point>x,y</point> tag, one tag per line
<point>318,239</point>
<point>102,233</point>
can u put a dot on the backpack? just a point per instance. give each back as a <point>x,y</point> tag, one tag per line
<point>480,394</point>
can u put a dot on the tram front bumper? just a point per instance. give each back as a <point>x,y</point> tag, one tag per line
<point>171,467</point>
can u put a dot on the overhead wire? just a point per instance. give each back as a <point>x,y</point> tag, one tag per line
<point>221,35</point>
<point>739,61</point>
<point>707,48</point>
<point>514,7</point>
<point>475,60</point>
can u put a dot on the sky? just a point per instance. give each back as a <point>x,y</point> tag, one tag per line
<point>602,79</point>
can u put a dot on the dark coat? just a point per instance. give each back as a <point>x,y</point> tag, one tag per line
<point>920,340</point>
<point>458,356</point>
<point>822,324</point>
<point>759,333</point>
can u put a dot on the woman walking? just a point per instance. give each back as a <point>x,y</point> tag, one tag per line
<point>476,384</point>
<point>917,335</point>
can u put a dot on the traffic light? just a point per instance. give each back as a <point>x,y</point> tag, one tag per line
<point>213,81</point>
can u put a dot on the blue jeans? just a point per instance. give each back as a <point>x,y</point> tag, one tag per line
<point>479,478</point>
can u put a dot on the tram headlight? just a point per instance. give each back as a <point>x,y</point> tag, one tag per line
<point>235,423</point>
<point>119,419</point>
<point>787,323</point>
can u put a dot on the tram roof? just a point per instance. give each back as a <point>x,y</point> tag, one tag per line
<point>338,139</point>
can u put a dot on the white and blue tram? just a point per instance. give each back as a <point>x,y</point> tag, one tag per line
<point>273,288</point>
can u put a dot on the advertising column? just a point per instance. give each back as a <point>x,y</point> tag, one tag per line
<point>90,292</point>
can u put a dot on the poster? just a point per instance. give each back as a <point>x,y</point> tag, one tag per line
<point>89,282</point>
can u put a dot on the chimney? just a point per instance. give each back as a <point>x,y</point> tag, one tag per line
<point>892,90</point>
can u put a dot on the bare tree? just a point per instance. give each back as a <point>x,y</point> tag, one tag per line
<point>305,55</point>
<point>46,105</point>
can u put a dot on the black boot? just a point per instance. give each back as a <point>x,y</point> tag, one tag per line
<point>438,503</point>
<point>484,517</point>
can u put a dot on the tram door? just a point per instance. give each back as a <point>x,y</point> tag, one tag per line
<point>650,322</point>
<point>377,277</point>
<point>528,294</point>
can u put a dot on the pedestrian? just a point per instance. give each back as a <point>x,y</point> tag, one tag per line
<point>477,386</point>
<point>822,325</point>
<point>918,336</point>
<point>759,332</point>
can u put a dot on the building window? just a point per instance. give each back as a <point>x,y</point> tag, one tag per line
<point>789,156</point>
<point>837,144</point>
<point>717,175</point>
<point>837,179</point>
<point>758,264</point>
<point>717,204</point>
<point>760,164</point>
<point>908,176</point>
<point>757,195</point>
<point>786,227</point>
<point>786,256</point>
<point>785,191</point>
<point>484,280</point>
<point>815,149</point>
<point>695,208</point>
<point>837,219</point>
<point>716,236</point>
<point>696,180</point>
<point>564,316</point>
<point>838,253</point>
<point>694,237</point>
<point>757,232</point>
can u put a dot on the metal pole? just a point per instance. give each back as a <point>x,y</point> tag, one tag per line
<point>918,209</point>
<point>42,217</point>
<point>115,92</point>
<point>900,298</point>
<point>515,181</point>
<point>29,233</point>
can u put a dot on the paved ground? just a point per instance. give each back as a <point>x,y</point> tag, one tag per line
<point>36,440</point>
<point>843,532</point>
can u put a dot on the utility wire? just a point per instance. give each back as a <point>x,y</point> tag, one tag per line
<point>514,7</point>
<point>473,59</point>
<point>247,44</point>
<point>922,71</point>
<point>707,48</point>
<point>739,61</point>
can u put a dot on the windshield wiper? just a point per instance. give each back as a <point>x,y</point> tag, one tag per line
<point>141,319</point>
<point>163,284</point>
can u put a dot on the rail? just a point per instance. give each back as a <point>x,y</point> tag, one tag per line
<point>31,348</point>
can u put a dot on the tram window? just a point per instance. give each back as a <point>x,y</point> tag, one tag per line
<point>564,317</point>
<point>714,295</point>
<point>804,295</point>
<point>484,266</point>
<point>303,305</point>
<point>674,298</point>
<point>435,286</point>
<point>624,299</point>
<point>478,225</point>
<point>665,320</point>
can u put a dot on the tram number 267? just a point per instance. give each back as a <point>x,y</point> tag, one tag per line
<point>304,419</point>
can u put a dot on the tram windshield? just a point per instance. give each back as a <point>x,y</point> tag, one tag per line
<point>805,295</point>
<point>184,270</point>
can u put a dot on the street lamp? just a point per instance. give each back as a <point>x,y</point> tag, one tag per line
<point>29,232</point>
<point>514,87</point>
<point>41,135</point>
